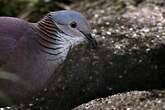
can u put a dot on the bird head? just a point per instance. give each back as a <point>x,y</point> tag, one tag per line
<point>74,26</point>
<point>62,30</point>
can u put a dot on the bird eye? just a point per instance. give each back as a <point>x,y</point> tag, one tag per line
<point>73,24</point>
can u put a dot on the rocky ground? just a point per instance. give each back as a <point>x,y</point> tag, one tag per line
<point>135,100</point>
<point>133,30</point>
<point>130,56</point>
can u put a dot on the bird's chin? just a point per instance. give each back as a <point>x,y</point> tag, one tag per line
<point>77,42</point>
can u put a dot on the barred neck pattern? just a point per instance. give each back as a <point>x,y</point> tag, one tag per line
<point>51,39</point>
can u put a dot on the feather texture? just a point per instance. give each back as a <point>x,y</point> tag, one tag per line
<point>31,52</point>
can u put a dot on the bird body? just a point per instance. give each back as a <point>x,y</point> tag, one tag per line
<point>20,55</point>
<point>32,51</point>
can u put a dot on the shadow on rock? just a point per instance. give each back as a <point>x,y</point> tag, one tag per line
<point>84,78</point>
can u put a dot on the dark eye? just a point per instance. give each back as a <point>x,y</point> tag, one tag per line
<point>73,24</point>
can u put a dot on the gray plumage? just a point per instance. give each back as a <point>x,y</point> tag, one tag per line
<point>32,51</point>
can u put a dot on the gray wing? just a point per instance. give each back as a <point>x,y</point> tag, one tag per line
<point>7,44</point>
<point>11,31</point>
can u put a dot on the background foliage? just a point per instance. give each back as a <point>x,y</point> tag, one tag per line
<point>31,10</point>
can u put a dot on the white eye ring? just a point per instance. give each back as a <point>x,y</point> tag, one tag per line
<point>73,24</point>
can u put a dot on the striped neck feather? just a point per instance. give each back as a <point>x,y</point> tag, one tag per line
<point>51,39</point>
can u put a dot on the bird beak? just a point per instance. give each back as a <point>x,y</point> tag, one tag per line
<point>92,41</point>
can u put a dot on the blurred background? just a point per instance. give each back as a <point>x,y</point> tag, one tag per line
<point>31,10</point>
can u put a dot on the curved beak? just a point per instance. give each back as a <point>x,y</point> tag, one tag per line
<point>92,41</point>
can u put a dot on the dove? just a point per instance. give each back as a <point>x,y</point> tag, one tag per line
<point>31,52</point>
